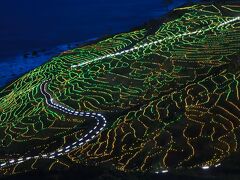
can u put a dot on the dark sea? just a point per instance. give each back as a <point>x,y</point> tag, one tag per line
<point>32,31</point>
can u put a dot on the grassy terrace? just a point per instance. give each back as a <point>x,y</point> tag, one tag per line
<point>169,92</point>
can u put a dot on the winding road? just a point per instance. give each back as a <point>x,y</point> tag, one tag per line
<point>100,124</point>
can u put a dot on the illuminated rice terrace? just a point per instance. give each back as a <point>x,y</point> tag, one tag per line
<point>158,99</point>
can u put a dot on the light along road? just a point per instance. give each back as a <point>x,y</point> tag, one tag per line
<point>100,124</point>
<point>155,42</point>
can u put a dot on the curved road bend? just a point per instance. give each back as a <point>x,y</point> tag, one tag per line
<point>100,124</point>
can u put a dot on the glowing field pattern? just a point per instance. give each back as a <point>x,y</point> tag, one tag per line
<point>150,100</point>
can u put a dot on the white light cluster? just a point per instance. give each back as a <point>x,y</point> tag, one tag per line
<point>205,167</point>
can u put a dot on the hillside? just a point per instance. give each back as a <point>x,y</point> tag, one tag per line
<point>163,98</point>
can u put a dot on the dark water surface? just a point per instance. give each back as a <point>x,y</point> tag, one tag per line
<point>27,25</point>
